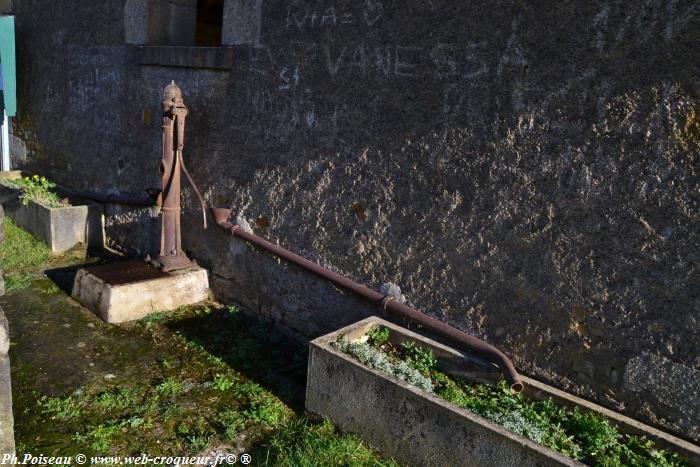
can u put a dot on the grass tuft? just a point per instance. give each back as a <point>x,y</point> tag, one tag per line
<point>302,444</point>
<point>22,257</point>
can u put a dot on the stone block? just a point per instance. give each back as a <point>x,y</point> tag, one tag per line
<point>136,18</point>
<point>418,428</point>
<point>130,290</point>
<point>6,7</point>
<point>4,335</point>
<point>2,225</point>
<point>10,174</point>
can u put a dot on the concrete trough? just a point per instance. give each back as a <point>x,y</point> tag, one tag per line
<point>60,228</point>
<point>418,428</point>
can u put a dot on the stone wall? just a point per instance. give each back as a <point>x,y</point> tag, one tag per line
<point>527,172</point>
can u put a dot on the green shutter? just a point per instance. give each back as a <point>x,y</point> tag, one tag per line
<point>7,60</point>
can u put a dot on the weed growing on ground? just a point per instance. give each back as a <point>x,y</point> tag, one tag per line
<point>98,437</point>
<point>222,383</point>
<point>300,443</point>
<point>155,318</point>
<point>231,421</point>
<point>117,399</point>
<point>268,410</point>
<point>61,407</point>
<point>586,436</point>
<point>39,189</point>
<point>22,256</point>
<point>169,387</point>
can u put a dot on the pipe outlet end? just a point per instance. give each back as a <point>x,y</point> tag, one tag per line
<point>516,387</point>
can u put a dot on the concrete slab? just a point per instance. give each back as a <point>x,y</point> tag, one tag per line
<point>130,290</point>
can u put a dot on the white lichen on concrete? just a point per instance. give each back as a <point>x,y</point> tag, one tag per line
<point>392,290</point>
<point>377,359</point>
<point>243,223</point>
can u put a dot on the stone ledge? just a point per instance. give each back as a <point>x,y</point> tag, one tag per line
<point>217,58</point>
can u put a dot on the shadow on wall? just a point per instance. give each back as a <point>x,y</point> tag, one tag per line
<point>132,231</point>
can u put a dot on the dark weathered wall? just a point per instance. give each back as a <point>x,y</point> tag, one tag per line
<point>527,171</point>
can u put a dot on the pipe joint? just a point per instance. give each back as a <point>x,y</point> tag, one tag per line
<point>386,300</point>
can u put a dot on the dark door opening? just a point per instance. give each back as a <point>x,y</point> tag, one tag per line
<point>210,16</point>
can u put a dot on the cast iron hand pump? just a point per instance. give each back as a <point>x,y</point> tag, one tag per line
<point>171,255</point>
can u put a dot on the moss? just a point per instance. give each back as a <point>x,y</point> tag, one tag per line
<point>179,382</point>
<point>22,257</point>
<point>191,399</point>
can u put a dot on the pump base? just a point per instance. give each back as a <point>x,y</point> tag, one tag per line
<point>131,290</point>
<point>168,263</point>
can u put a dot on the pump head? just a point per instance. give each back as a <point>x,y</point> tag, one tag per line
<point>172,97</point>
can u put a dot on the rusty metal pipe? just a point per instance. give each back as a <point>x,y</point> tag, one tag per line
<point>464,340</point>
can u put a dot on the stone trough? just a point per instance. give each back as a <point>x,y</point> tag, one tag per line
<point>61,228</point>
<point>418,428</point>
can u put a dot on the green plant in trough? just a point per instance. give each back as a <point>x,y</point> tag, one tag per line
<point>378,336</point>
<point>39,189</point>
<point>419,358</point>
<point>585,436</point>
